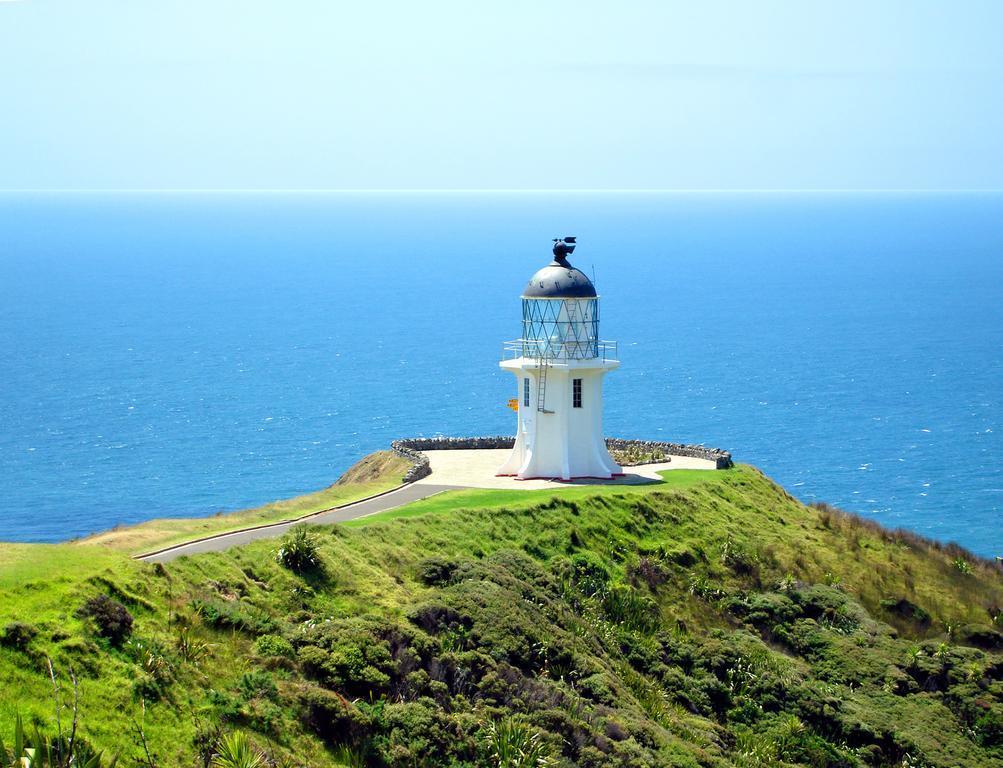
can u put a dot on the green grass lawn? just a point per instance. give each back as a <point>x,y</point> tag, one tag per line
<point>24,564</point>
<point>491,498</point>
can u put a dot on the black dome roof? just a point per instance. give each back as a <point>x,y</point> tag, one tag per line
<point>559,280</point>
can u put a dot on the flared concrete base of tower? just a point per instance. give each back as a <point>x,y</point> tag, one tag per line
<point>559,433</point>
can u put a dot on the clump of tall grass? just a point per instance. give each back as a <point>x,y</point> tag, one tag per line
<point>34,749</point>
<point>512,743</point>
<point>299,550</point>
<point>190,649</point>
<point>235,750</point>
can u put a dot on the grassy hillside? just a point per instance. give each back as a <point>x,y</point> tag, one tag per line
<point>712,620</point>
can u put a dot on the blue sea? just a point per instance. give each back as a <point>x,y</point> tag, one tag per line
<point>181,354</point>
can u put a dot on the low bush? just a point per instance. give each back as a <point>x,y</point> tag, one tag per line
<point>111,619</point>
<point>257,685</point>
<point>274,645</point>
<point>233,614</point>
<point>648,571</point>
<point>906,609</point>
<point>435,570</point>
<point>589,573</point>
<point>331,716</point>
<point>17,635</point>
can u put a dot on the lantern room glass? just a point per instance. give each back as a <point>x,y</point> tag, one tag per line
<point>560,329</point>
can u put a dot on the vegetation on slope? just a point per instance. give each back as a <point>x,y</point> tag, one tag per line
<point>715,623</point>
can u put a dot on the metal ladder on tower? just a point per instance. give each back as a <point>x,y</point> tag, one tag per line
<point>541,387</point>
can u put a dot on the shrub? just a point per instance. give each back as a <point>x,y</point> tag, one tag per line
<point>111,618</point>
<point>435,570</point>
<point>735,557</point>
<point>589,573</point>
<point>17,635</point>
<point>298,550</point>
<point>359,669</point>
<point>435,618</point>
<point>981,636</point>
<point>331,716</point>
<point>257,685</point>
<point>273,645</point>
<point>651,572</point>
<point>681,557</point>
<point>907,609</point>
<point>234,615</point>
<point>989,729</point>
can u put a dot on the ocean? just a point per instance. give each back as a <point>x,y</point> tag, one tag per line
<point>181,354</point>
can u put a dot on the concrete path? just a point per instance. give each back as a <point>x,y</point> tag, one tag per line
<point>396,498</point>
<point>451,470</point>
<point>476,469</point>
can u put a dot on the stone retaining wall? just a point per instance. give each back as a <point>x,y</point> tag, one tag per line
<point>721,459</point>
<point>413,448</point>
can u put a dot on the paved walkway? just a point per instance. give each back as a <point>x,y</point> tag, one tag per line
<point>476,469</point>
<point>396,498</point>
<point>450,470</point>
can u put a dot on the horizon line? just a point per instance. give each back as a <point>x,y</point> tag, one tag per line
<point>507,190</point>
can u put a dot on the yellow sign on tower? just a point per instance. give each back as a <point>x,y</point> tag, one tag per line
<point>513,403</point>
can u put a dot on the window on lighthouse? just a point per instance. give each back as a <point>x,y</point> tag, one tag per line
<point>525,392</point>
<point>576,393</point>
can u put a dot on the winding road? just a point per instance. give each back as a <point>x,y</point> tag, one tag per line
<point>453,469</point>
<point>217,543</point>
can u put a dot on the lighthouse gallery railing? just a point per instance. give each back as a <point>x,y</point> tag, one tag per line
<point>555,350</point>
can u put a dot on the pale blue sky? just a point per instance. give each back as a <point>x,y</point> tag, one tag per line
<point>518,95</point>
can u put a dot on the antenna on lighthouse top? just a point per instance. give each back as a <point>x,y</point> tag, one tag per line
<point>563,247</point>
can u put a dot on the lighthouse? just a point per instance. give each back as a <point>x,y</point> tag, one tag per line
<point>559,363</point>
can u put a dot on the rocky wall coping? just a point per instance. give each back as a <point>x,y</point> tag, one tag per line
<point>413,449</point>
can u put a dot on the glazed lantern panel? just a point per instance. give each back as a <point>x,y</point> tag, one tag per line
<point>560,329</point>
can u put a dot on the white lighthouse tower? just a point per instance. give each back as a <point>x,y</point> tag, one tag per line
<point>559,364</point>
